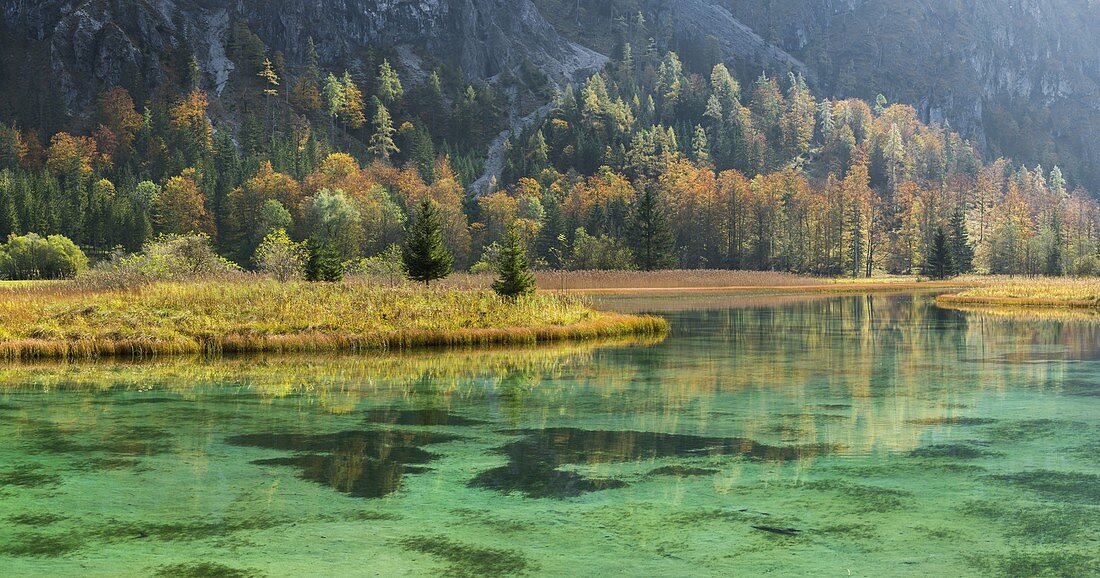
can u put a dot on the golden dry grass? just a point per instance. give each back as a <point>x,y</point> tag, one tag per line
<point>257,315</point>
<point>1033,292</point>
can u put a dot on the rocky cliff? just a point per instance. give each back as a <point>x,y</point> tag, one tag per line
<point>97,43</point>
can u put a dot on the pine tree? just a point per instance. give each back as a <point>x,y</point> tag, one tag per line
<point>271,90</point>
<point>512,265</point>
<point>307,92</point>
<point>426,258</point>
<point>962,253</point>
<point>940,265</point>
<point>389,84</point>
<point>381,142</point>
<point>649,233</point>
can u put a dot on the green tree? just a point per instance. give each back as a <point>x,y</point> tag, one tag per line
<point>962,254</point>
<point>381,142</point>
<point>352,110</point>
<point>323,263</point>
<point>515,278</point>
<point>940,264</point>
<point>389,84</point>
<point>280,257</point>
<point>426,258</point>
<point>34,257</point>
<point>650,235</point>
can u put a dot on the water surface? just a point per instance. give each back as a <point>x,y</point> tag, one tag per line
<point>863,436</point>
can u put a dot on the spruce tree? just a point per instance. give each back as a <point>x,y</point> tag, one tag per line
<point>961,252</point>
<point>426,258</point>
<point>513,267</point>
<point>649,233</point>
<point>940,265</point>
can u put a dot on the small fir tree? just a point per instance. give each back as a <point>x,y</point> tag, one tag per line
<point>426,258</point>
<point>323,262</point>
<point>940,265</point>
<point>961,252</point>
<point>515,278</point>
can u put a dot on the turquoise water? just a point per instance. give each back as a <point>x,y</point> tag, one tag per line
<point>833,436</point>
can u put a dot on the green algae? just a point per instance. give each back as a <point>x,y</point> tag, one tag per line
<point>1066,486</point>
<point>205,570</point>
<point>40,545</point>
<point>1028,430</point>
<point>681,471</point>
<point>862,497</point>
<point>188,530</point>
<point>1041,523</point>
<point>35,519</point>
<point>466,561</point>
<point>952,451</point>
<point>487,519</point>
<point>28,476</point>
<point>953,420</point>
<point>1056,562</point>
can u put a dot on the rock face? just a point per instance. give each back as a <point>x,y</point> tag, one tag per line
<point>1020,78</point>
<point>100,43</point>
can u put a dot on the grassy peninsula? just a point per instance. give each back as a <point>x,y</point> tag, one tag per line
<point>254,314</point>
<point>1029,292</point>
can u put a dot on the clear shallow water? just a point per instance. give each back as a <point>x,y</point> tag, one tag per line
<point>877,436</point>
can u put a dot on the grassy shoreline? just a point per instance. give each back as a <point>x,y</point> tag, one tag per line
<point>262,316</point>
<point>1028,293</point>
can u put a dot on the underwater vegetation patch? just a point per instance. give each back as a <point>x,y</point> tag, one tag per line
<point>38,545</point>
<point>370,516</point>
<point>487,519</point>
<point>28,476</point>
<point>681,471</point>
<point>30,519</point>
<point>184,530</point>
<point>1041,523</point>
<point>865,498</point>
<point>534,459</point>
<point>1064,486</point>
<point>205,570</point>
<point>952,420</point>
<point>953,451</point>
<point>364,464</point>
<point>465,561</point>
<point>418,417</point>
<point>1028,430</point>
<point>1053,562</point>
<point>47,437</point>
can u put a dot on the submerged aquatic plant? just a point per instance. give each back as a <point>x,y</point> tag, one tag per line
<point>466,561</point>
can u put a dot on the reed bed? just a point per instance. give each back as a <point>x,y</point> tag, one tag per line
<point>1030,292</point>
<point>258,315</point>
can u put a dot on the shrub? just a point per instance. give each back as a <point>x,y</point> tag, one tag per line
<point>323,262</point>
<point>387,266</point>
<point>34,257</point>
<point>1086,266</point>
<point>168,258</point>
<point>280,257</point>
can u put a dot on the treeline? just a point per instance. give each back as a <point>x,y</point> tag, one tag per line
<point>647,165</point>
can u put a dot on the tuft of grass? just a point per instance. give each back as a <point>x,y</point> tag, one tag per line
<point>255,315</point>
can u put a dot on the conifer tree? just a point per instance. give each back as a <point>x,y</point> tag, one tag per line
<point>515,278</point>
<point>649,233</point>
<point>939,265</point>
<point>425,257</point>
<point>389,84</point>
<point>323,261</point>
<point>352,109</point>
<point>334,97</point>
<point>307,92</point>
<point>381,142</point>
<point>271,90</point>
<point>961,252</point>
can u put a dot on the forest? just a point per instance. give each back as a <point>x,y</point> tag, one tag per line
<point>657,162</point>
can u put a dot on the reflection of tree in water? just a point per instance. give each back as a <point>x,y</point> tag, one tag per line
<point>364,464</point>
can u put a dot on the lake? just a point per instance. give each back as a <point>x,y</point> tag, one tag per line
<point>855,435</point>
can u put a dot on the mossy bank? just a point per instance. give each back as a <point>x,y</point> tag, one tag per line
<point>258,315</point>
